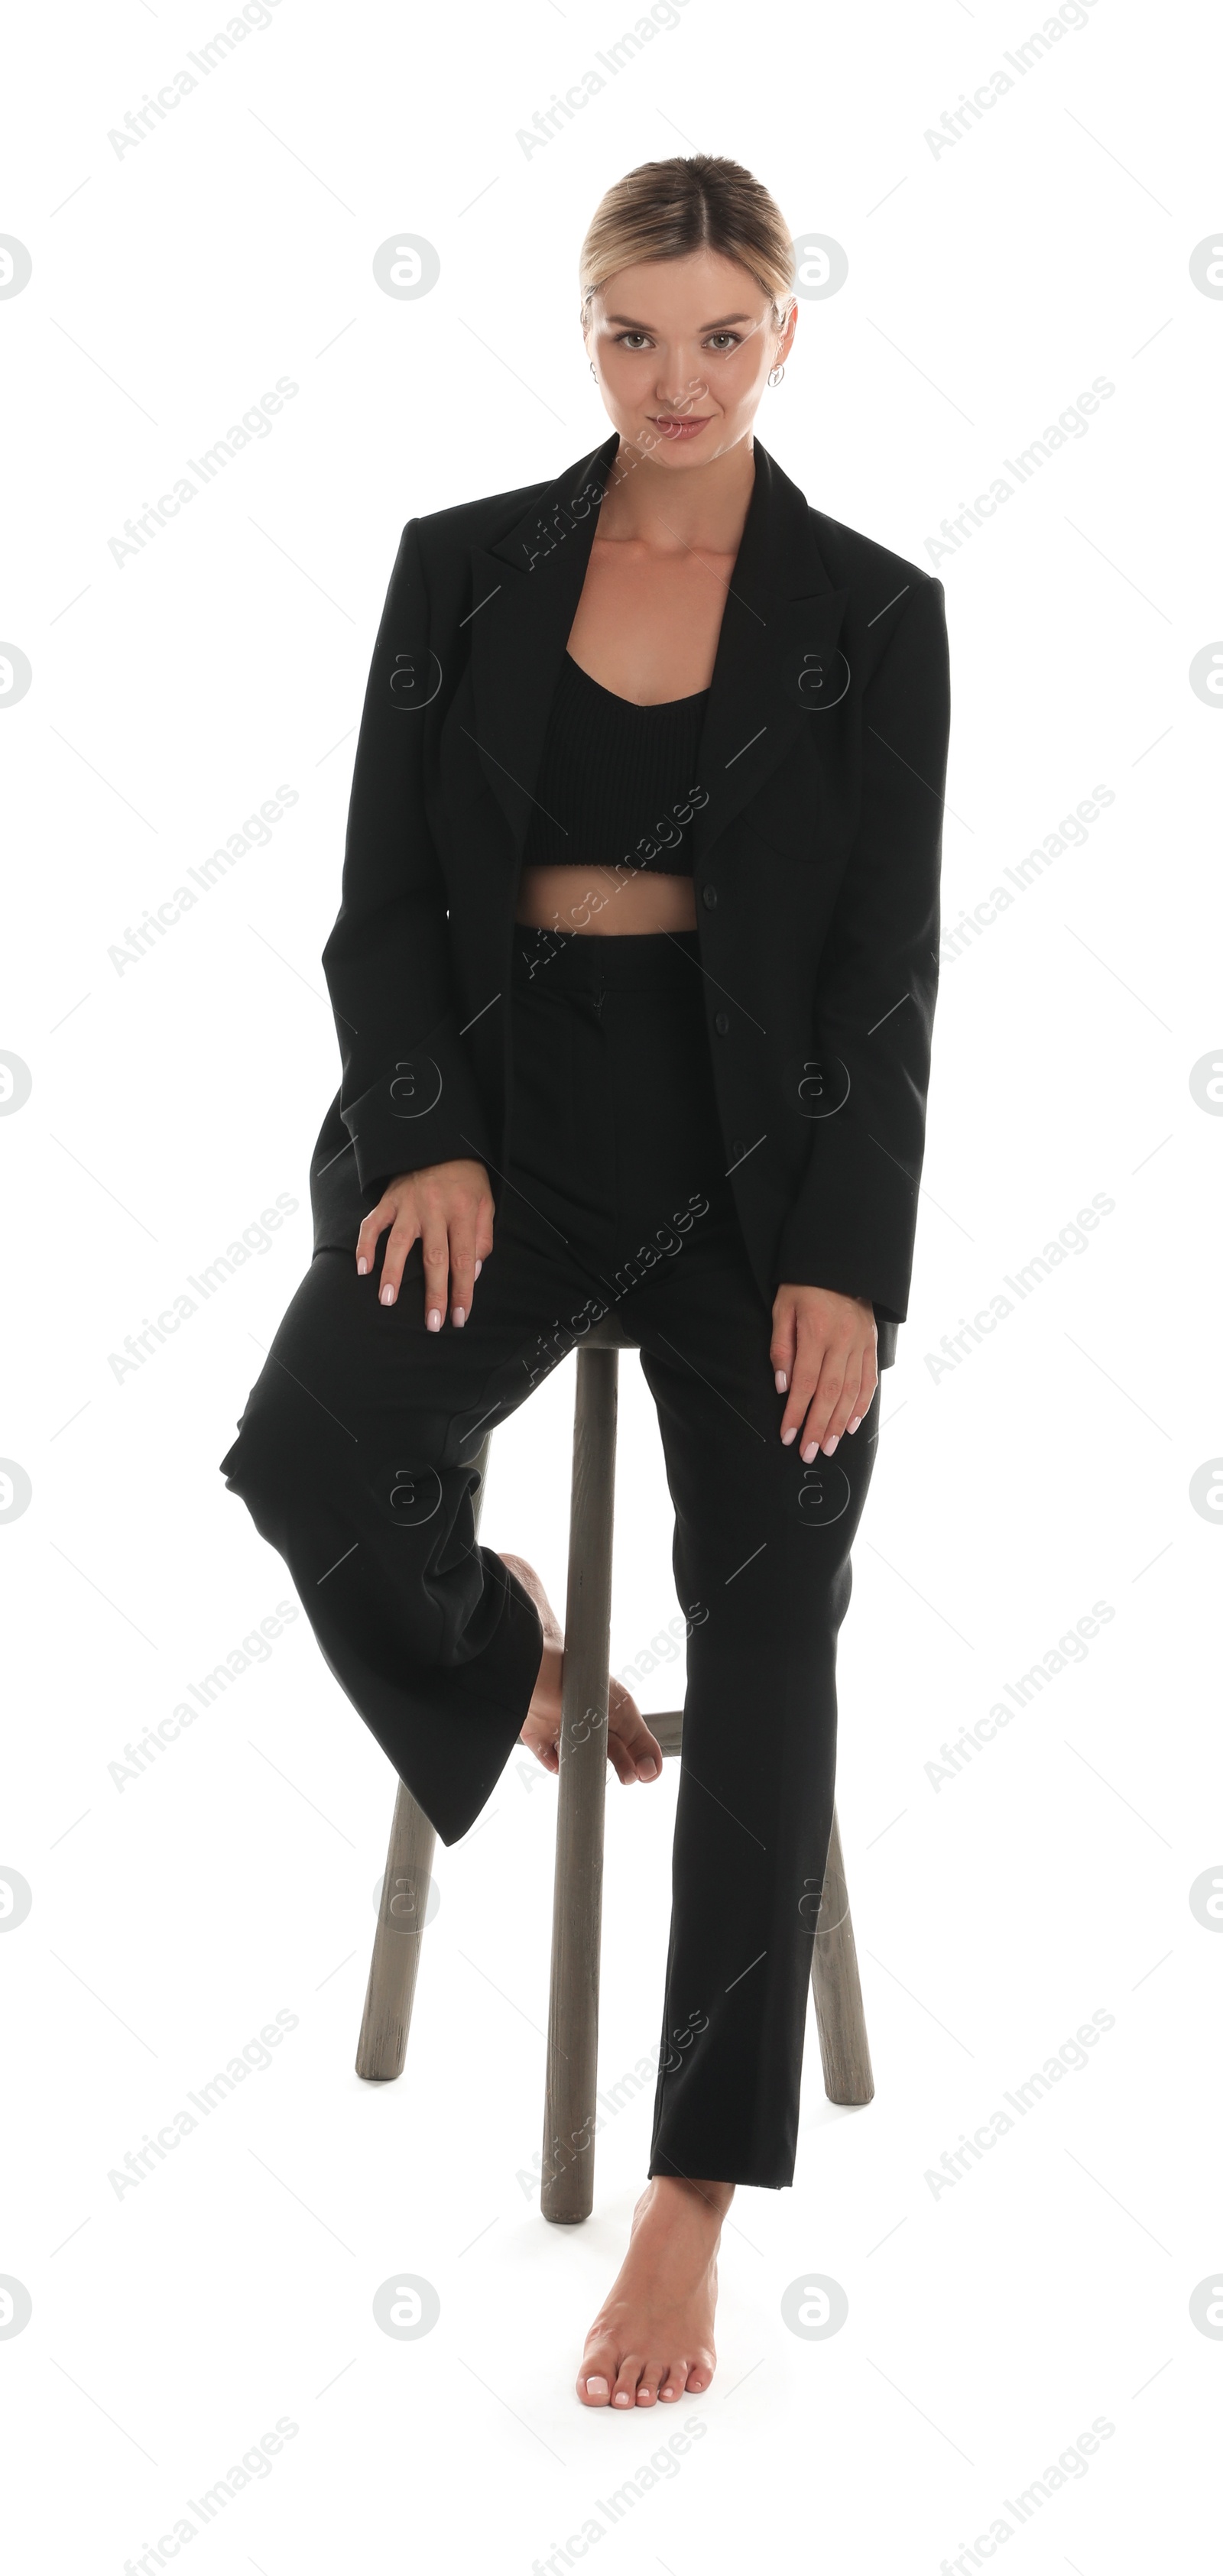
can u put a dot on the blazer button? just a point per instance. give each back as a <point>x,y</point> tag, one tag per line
<point>710,896</point>
<point>722,1023</point>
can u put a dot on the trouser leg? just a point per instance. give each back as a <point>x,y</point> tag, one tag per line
<point>354,1457</point>
<point>762,1567</point>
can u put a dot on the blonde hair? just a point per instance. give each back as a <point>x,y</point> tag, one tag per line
<point>668,209</point>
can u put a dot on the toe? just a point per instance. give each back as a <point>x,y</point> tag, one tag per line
<point>597,2376</point>
<point>673,2383</point>
<point>649,2383</point>
<point>625,2391</point>
<point>636,1753</point>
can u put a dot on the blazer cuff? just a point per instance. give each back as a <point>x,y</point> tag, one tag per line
<point>424,1108</point>
<point>848,1236</point>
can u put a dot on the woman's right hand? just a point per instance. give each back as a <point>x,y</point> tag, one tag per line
<point>449,1207</point>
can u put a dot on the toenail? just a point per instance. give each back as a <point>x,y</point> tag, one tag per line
<point>620,2398</point>
<point>596,2388</point>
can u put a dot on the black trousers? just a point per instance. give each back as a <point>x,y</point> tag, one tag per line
<point>354,1458</point>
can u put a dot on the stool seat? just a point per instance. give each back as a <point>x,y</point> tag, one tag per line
<point>570,2107</point>
<point>613,1332</point>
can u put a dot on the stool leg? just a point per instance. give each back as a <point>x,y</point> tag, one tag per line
<point>383,2042</point>
<point>836,1988</point>
<point>567,2190</point>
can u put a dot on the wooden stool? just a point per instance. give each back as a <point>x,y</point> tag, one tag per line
<point>567,2189</point>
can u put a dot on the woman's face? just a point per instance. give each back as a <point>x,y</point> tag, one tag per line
<point>682,349</point>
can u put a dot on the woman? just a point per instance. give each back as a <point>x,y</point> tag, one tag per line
<point>633,978</point>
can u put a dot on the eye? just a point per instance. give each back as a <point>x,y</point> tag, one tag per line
<point>722,342</point>
<point>637,339</point>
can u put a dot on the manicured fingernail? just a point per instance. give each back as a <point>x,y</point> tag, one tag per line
<point>787,1437</point>
<point>830,1445</point>
<point>434,1319</point>
<point>856,1420</point>
<point>362,1266</point>
<point>781,1381</point>
<point>460,1314</point>
<point>811,1451</point>
<point>386,1296</point>
<point>478,1268</point>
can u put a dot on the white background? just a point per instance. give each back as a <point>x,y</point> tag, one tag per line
<point>173,1916</point>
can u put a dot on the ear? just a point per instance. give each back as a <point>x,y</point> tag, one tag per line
<point>789,327</point>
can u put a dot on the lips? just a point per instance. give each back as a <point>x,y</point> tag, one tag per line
<point>674,427</point>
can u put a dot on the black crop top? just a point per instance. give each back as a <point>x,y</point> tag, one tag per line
<point>618,783</point>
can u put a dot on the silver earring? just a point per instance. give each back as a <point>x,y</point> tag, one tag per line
<point>775,375</point>
<point>592,370</point>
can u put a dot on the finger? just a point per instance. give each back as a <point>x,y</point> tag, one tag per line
<point>399,1244</point>
<point>436,1250</point>
<point>783,1344</point>
<point>866,1392</point>
<point>484,1227</point>
<point>823,1403</point>
<point>483,1242</point>
<point>372,1227</point>
<point>804,1378</point>
<point>462,1265</point>
<point>846,1407</point>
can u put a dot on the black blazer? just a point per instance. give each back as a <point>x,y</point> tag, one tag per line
<point>816,865</point>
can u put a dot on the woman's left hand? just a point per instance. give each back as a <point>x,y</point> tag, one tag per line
<point>824,1354</point>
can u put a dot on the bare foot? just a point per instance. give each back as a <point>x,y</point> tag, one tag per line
<point>636,1754</point>
<point>653,2336</point>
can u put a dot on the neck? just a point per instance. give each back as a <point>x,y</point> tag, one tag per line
<point>706,506</point>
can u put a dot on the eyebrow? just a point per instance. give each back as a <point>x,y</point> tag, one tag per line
<point>627,323</point>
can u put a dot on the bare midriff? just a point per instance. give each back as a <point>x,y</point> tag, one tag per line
<point>605,901</point>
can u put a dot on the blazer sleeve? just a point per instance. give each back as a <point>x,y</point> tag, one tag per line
<point>852,1226</point>
<point>408,1092</point>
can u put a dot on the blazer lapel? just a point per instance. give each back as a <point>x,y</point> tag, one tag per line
<point>778,668</point>
<point>525,592</point>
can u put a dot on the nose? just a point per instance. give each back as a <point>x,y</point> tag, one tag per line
<point>684,394</point>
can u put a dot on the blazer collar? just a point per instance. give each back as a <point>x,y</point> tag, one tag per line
<point>777,665</point>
